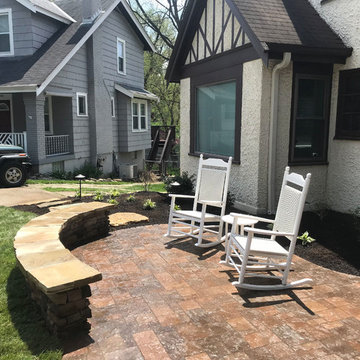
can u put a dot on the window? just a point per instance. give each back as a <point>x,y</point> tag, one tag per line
<point>310,117</point>
<point>121,56</point>
<point>82,105</point>
<point>348,113</point>
<point>112,107</point>
<point>6,33</point>
<point>139,115</point>
<point>215,120</point>
<point>48,116</point>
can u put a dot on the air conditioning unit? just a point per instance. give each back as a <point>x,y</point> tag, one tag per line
<point>128,171</point>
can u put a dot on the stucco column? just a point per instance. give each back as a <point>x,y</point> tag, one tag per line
<point>35,126</point>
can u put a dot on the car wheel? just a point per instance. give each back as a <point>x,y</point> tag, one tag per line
<point>12,175</point>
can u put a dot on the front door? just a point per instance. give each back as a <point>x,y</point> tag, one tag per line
<point>5,116</point>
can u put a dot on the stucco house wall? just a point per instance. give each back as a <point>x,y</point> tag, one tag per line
<point>343,173</point>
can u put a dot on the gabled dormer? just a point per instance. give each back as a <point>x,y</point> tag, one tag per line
<point>25,25</point>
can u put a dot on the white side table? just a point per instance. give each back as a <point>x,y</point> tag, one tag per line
<point>242,222</point>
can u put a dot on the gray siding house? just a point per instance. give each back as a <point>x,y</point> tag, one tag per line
<point>72,83</point>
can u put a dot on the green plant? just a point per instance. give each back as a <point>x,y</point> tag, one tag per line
<point>177,207</point>
<point>147,177</point>
<point>113,202</point>
<point>98,196</point>
<point>89,170</point>
<point>182,184</point>
<point>130,198</point>
<point>77,194</point>
<point>149,204</point>
<point>115,193</point>
<point>306,239</point>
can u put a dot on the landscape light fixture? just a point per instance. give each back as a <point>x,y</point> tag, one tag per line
<point>80,178</point>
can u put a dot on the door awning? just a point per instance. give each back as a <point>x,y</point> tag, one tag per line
<point>133,92</point>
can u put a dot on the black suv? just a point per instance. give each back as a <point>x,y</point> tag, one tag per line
<point>14,165</point>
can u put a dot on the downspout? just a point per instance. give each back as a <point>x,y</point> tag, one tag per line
<point>274,109</point>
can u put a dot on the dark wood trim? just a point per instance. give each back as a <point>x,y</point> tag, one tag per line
<point>221,38</point>
<point>221,75</point>
<point>213,29</point>
<point>310,71</point>
<point>251,35</point>
<point>226,59</point>
<point>222,27</point>
<point>340,133</point>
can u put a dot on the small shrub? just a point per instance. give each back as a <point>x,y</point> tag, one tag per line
<point>62,175</point>
<point>183,184</point>
<point>115,193</point>
<point>98,196</point>
<point>113,202</point>
<point>149,205</point>
<point>77,194</point>
<point>88,170</point>
<point>130,198</point>
<point>306,239</point>
<point>147,177</point>
<point>177,207</point>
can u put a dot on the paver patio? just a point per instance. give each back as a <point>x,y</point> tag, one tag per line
<point>162,299</point>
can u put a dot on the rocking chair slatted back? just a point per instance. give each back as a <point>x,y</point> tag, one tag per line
<point>291,203</point>
<point>212,181</point>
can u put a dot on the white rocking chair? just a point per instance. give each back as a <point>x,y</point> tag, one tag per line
<point>249,254</point>
<point>211,190</point>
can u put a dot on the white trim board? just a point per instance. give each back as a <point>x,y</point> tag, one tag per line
<point>65,18</point>
<point>102,17</point>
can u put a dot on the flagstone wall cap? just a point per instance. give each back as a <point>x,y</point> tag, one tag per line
<point>45,260</point>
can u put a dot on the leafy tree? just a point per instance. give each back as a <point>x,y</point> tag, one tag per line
<point>161,21</point>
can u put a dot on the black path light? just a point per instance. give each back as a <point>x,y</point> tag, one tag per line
<point>80,178</point>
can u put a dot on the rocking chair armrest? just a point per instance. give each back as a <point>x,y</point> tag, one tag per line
<point>251,217</point>
<point>267,232</point>
<point>182,196</point>
<point>210,202</point>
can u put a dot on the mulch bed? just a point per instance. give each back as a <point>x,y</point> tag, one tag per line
<point>337,245</point>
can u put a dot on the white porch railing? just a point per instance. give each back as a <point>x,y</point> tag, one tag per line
<point>57,145</point>
<point>17,139</point>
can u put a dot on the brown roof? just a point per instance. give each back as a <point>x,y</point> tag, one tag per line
<point>273,27</point>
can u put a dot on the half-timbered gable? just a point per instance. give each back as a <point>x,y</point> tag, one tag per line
<point>218,31</point>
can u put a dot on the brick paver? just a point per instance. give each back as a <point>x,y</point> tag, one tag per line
<point>162,299</point>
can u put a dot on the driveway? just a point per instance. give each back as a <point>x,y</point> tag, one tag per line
<point>26,195</point>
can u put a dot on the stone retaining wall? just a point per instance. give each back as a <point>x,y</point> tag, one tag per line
<point>58,281</point>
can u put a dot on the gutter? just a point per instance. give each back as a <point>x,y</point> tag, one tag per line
<point>274,110</point>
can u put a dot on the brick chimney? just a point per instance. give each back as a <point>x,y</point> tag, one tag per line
<point>90,10</point>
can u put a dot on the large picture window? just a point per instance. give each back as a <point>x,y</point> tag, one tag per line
<point>215,120</point>
<point>348,114</point>
<point>6,33</point>
<point>310,118</point>
<point>215,114</point>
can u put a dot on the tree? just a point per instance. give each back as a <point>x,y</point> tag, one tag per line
<point>161,21</point>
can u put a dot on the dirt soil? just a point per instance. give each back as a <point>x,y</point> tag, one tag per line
<point>337,245</point>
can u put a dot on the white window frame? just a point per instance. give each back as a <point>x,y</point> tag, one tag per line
<point>117,57</point>
<point>113,113</point>
<point>51,120</point>
<point>139,102</point>
<point>11,34</point>
<point>78,95</point>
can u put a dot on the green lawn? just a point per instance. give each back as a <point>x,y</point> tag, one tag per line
<point>124,190</point>
<point>22,332</point>
<point>58,181</point>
